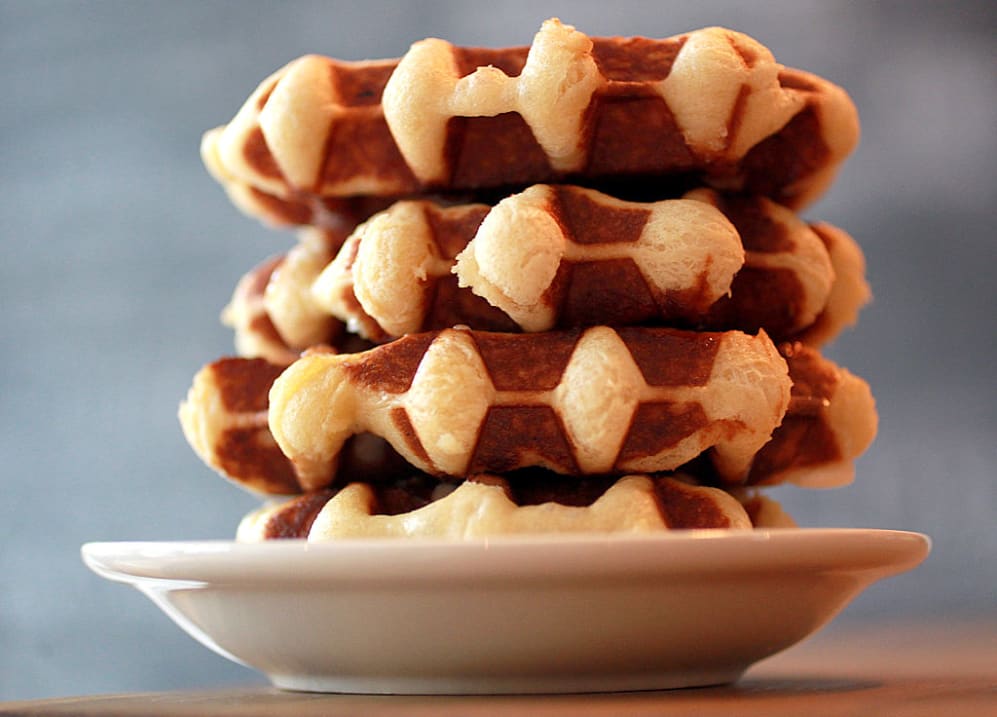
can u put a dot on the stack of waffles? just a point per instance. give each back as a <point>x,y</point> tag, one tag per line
<point>556,288</point>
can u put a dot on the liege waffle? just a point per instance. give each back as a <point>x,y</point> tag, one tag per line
<point>255,333</point>
<point>458,402</point>
<point>548,257</point>
<point>396,267</point>
<point>224,419</point>
<point>604,262</point>
<point>488,505</point>
<point>787,277</point>
<point>764,512</point>
<point>711,105</point>
<point>270,311</point>
<point>830,420</point>
<point>562,256</point>
<point>849,291</point>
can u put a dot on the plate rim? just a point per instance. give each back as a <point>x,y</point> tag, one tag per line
<point>539,558</point>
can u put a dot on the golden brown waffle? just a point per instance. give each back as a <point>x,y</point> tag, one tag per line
<point>831,421</point>
<point>712,105</point>
<point>270,310</point>
<point>601,261</point>
<point>488,505</point>
<point>397,266</point>
<point>787,276</point>
<point>566,256</point>
<point>849,292</point>
<point>551,256</point>
<point>458,402</point>
<point>255,333</point>
<point>224,419</point>
<point>764,512</point>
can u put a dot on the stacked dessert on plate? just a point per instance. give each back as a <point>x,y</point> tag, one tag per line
<point>556,288</point>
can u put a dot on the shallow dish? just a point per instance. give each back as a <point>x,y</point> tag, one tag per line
<point>509,615</point>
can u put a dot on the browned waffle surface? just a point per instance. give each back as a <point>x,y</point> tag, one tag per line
<point>765,512</point>
<point>256,336</point>
<point>850,291</point>
<point>548,257</point>
<point>459,402</point>
<point>787,277</point>
<point>831,421</point>
<point>270,310</point>
<point>487,505</point>
<point>711,104</point>
<point>563,256</point>
<point>224,419</point>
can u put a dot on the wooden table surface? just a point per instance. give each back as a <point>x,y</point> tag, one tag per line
<point>903,669</point>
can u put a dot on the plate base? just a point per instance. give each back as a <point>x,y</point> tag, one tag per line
<point>513,684</point>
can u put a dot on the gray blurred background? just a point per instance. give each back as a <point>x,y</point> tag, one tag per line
<point>119,252</point>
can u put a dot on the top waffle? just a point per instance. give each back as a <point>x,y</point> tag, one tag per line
<point>321,135</point>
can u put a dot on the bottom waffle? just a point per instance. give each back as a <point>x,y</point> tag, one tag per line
<point>488,505</point>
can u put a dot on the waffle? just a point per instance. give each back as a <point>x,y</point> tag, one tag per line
<point>575,257</point>
<point>849,292</point>
<point>787,277</point>
<point>564,256</point>
<point>764,512</point>
<point>708,106</point>
<point>255,333</point>
<point>270,311</point>
<point>486,505</point>
<point>830,422</point>
<point>224,419</point>
<point>551,256</point>
<point>392,275</point>
<point>458,402</point>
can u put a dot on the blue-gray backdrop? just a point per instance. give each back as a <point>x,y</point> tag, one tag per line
<point>119,252</point>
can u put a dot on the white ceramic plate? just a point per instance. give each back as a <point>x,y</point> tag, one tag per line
<point>565,614</point>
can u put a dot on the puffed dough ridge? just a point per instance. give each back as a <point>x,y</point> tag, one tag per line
<point>483,508</point>
<point>685,254</point>
<point>443,412</point>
